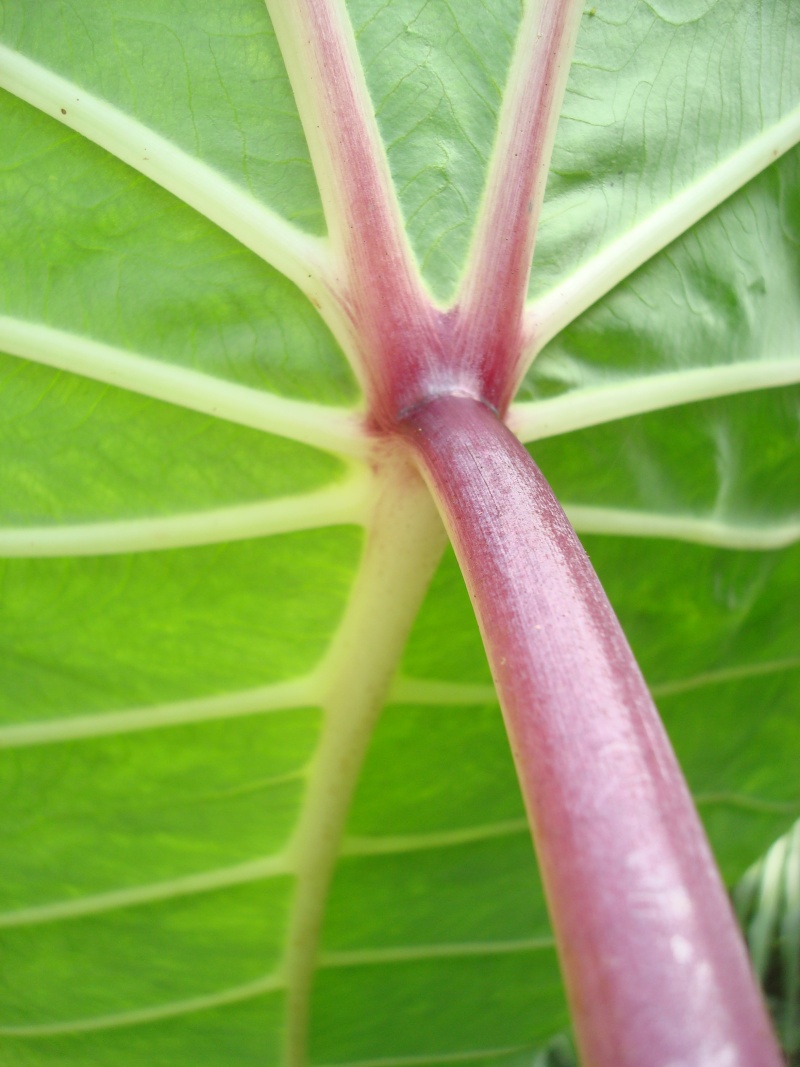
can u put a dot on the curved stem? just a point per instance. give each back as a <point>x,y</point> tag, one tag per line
<point>654,965</point>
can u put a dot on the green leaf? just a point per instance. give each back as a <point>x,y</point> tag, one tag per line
<point>767,902</point>
<point>185,499</point>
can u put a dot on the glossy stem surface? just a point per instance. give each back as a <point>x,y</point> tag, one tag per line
<point>655,968</point>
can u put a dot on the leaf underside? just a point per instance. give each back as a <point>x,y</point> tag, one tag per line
<point>161,708</point>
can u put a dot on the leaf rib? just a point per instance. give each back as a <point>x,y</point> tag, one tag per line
<point>338,505</point>
<point>313,424</point>
<point>625,522</point>
<point>299,256</point>
<point>281,696</point>
<point>492,293</point>
<point>550,313</point>
<point>96,904</point>
<point>404,543</point>
<point>436,1058</point>
<point>444,951</point>
<point>141,1016</point>
<point>390,330</point>
<point>390,846</point>
<point>591,406</point>
<point>723,676</point>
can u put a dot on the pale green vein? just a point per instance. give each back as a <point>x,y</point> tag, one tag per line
<point>268,984</point>
<point>580,408</point>
<point>407,953</point>
<point>761,805</point>
<point>202,882</point>
<point>548,315</point>
<point>337,505</point>
<point>625,522</point>
<point>404,543</point>
<point>298,255</point>
<point>387,846</point>
<point>312,424</point>
<point>281,696</point>
<point>723,676</point>
<point>431,691</point>
<point>435,1058</point>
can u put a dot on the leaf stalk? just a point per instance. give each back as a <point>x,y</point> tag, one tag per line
<point>655,968</point>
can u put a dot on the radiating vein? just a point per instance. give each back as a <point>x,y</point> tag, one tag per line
<point>593,405</point>
<point>723,676</point>
<point>298,693</point>
<point>336,505</point>
<point>203,882</point>
<point>312,424</point>
<point>403,545</point>
<point>492,293</point>
<point>435,1058</point>
<point>392,845</point>
<point>140,1016</point>
<point>626,522</point>
<point>550,313</point>
<point>300,256</point>
<point>408,953</point>
<point>762,805</point>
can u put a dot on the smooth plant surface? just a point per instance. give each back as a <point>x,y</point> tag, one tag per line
<point>215,579</point>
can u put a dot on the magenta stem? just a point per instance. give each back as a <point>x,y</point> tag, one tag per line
<point>655,969</point>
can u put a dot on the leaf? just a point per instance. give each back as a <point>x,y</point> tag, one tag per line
<point>768,908</point>
<point>186,499</point>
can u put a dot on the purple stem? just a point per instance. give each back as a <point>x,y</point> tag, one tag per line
<point>655,969</point>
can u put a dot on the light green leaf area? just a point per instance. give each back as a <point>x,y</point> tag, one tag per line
<point>161,709</point>
<point>728,289</point>
<point>92,452</point>
<point>660,95</point>
<point>733,460</point>
<point>101,251</point>
<point>210,79</point>
<point>109,632</point>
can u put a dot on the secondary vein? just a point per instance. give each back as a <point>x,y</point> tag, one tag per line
<point>593,405</point>
<point>313,424</point>
<point>550,313</point>
<point>331,506</point>
<point>300,256</point>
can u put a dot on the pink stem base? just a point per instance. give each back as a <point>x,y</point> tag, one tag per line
<point>655,968</point>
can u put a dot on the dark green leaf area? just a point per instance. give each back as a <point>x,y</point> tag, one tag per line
<point>77,451</point>
<point>209,77</point>
<point>436,72</point>
<point>428,1007</point>
<point>627,142</point>
<point>139,957</point>
<point>240,1033</point>
<point>477,892</point>
<point>689,609</point>
<point>734,460</point>
<point>716,634</point>
<point>85,635</point>
<point>686,609</point>
<point>750,791</point>
<point>723,293</point>
<point>431,769</point>
<point>91,247</point>
<point>116,813</point>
